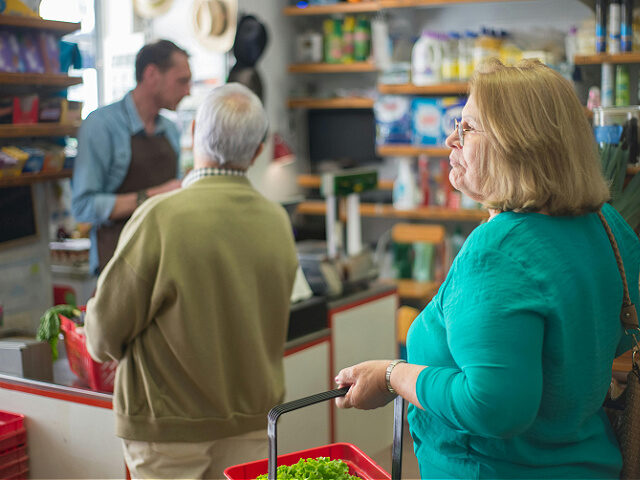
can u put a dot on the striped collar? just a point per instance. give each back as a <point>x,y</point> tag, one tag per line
<point>198,173</point>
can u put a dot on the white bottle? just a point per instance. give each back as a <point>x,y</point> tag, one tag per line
<point>426,59</point>
<point>381,43</point>
<point>405,190</point>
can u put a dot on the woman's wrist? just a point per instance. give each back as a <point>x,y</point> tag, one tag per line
<point>388,372</point>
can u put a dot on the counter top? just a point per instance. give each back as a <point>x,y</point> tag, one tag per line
<point>308,323</point>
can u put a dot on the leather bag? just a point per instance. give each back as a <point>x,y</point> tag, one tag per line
<point>622,403</point>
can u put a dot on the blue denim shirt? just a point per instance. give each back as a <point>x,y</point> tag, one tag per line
<point>102,163</point>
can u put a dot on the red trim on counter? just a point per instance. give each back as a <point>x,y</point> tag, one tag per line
<point>69,397</point>
<point>304,346</point>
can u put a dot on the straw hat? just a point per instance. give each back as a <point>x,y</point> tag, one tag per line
<point>151,8</point>
<point>214,23</point>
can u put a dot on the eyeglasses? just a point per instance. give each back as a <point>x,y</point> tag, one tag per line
<point>461,131</point>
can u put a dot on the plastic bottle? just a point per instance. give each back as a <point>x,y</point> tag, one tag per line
<point>362,39</point>
<point>607,90</point>
<point>426,59</point>
<point>626,26</point>
<point>593,100</point>
<point>510,54</point>
<point>465,55</point>
<point>485,46</point>
<point>614,26</point>
<point>571,44</point>
<point>348,27</point>
<point>381,42</point>
<point>404,187</point>
<point>622,85</point>
<point>601,26</point>
<point>450,57</point>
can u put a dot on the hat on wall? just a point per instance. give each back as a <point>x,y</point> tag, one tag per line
<point>251,40</point>
<point>214,23</point>
<point>151,8</point>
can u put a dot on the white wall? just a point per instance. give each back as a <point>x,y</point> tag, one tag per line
<point>275,181</point>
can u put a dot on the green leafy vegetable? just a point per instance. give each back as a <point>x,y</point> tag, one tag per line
<point>49,328</point>
<point>313,468</point>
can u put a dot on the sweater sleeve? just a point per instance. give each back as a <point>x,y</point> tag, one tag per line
<point>494,320</point>
<point>120,309</point>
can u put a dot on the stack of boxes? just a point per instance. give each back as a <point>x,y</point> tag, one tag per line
<point>14,461</point>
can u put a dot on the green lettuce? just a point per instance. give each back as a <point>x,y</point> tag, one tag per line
<point>313,469</point>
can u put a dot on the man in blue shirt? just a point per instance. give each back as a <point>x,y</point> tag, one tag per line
<point>127,151</point>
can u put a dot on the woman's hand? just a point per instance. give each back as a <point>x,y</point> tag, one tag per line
<point>368,385</point>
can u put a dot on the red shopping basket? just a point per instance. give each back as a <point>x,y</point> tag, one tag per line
<point>99,376</point>
<point>359,463</point>
<point>12,431</point>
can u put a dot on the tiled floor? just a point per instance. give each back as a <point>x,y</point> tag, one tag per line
<point>410,468</point>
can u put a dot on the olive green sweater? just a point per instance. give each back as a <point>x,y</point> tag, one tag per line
<point>194,306</point>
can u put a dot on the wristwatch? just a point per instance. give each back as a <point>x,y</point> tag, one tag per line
<point>142,196</point>
<point>387,375</point>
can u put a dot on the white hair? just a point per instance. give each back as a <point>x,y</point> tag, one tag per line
<point>230,126</point>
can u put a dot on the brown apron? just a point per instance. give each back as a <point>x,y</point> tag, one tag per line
<point>153,161</point>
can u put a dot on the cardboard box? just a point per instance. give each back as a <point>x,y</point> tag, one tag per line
<point>26,357</point>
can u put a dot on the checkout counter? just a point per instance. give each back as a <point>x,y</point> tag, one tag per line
<point>71,429</point>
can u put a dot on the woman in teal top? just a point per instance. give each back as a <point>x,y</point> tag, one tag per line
<point>510,362</point>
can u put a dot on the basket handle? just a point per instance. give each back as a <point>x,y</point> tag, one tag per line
<point>278,410</point>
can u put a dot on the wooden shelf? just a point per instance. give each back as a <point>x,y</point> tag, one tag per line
<point>37,130</point>
<point>453,88</point>
<point>431,3</point>
<point>29,178</point>
<point>412,289</point>
<point>39,79</point>
<point>356,67</point>
<point>39,23</point>
<point>385,210</point>
<point>359,7</point>
<point>401,150</point>
<point>314,181</point>
<point>600,58</point>
<point>327,103</point>
<point>633,169</point>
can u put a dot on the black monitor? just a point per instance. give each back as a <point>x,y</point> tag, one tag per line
<point>345,136</point>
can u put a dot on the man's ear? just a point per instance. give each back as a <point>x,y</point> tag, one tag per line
<point>150,73</point>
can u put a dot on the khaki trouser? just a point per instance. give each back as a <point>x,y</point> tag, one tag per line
<point>180,460</point>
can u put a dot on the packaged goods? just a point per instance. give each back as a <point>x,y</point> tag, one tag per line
<point>393,119</point>
<point>10,60</point>
<point>614,27</point>
<point>35,161</point>
<point>381,43</point>
<point>405,193</point>
<point>601,26</point>
<point>626,26</point>
<point>450,57</point>
<point>607,92</point>
<point>30,52</point>
<point>332,41</point>
<point>362,39</point>
<point>426,59</point>
<point>426,121</point>
<point>348,27</point>
<point>622,85</point>
<point>465,55</point>
<point>486,45</point>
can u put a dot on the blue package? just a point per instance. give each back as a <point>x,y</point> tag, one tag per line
<point>608,134</point>
<point>393,119</point>
<point>35,161</point>
<point>426,114</point>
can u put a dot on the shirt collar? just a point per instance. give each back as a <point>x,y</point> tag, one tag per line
<point>198,173</point>
<point>134,120</point>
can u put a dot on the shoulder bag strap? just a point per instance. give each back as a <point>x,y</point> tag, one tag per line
<point>628,314</point>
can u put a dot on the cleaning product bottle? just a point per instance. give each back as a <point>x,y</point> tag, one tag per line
<point>426,59</point>
<point>465,55</point>
<point>348,27</point>
<point>362,39</point>
<point>404,187</point>
<point>450,62</point>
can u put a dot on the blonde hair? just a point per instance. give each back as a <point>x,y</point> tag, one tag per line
<point>540,153</point>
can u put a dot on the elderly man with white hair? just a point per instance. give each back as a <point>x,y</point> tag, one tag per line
<point>194,306</point>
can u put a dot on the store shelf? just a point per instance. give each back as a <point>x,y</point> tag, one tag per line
<point>356,67</point>
<point>39,79</point>
<point>432,3</point>
<point>401,150</point>
<point>633,169</point>
<point>453,88</point>
<point>600,58</point>
<point>328,103</point>
<point>31,22</point>
<point>358,7</point>
<point>37,130</point>
<point>386,210</point>
<point>29,178</point>
<point>314,181</point>
<point>411,289</point>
